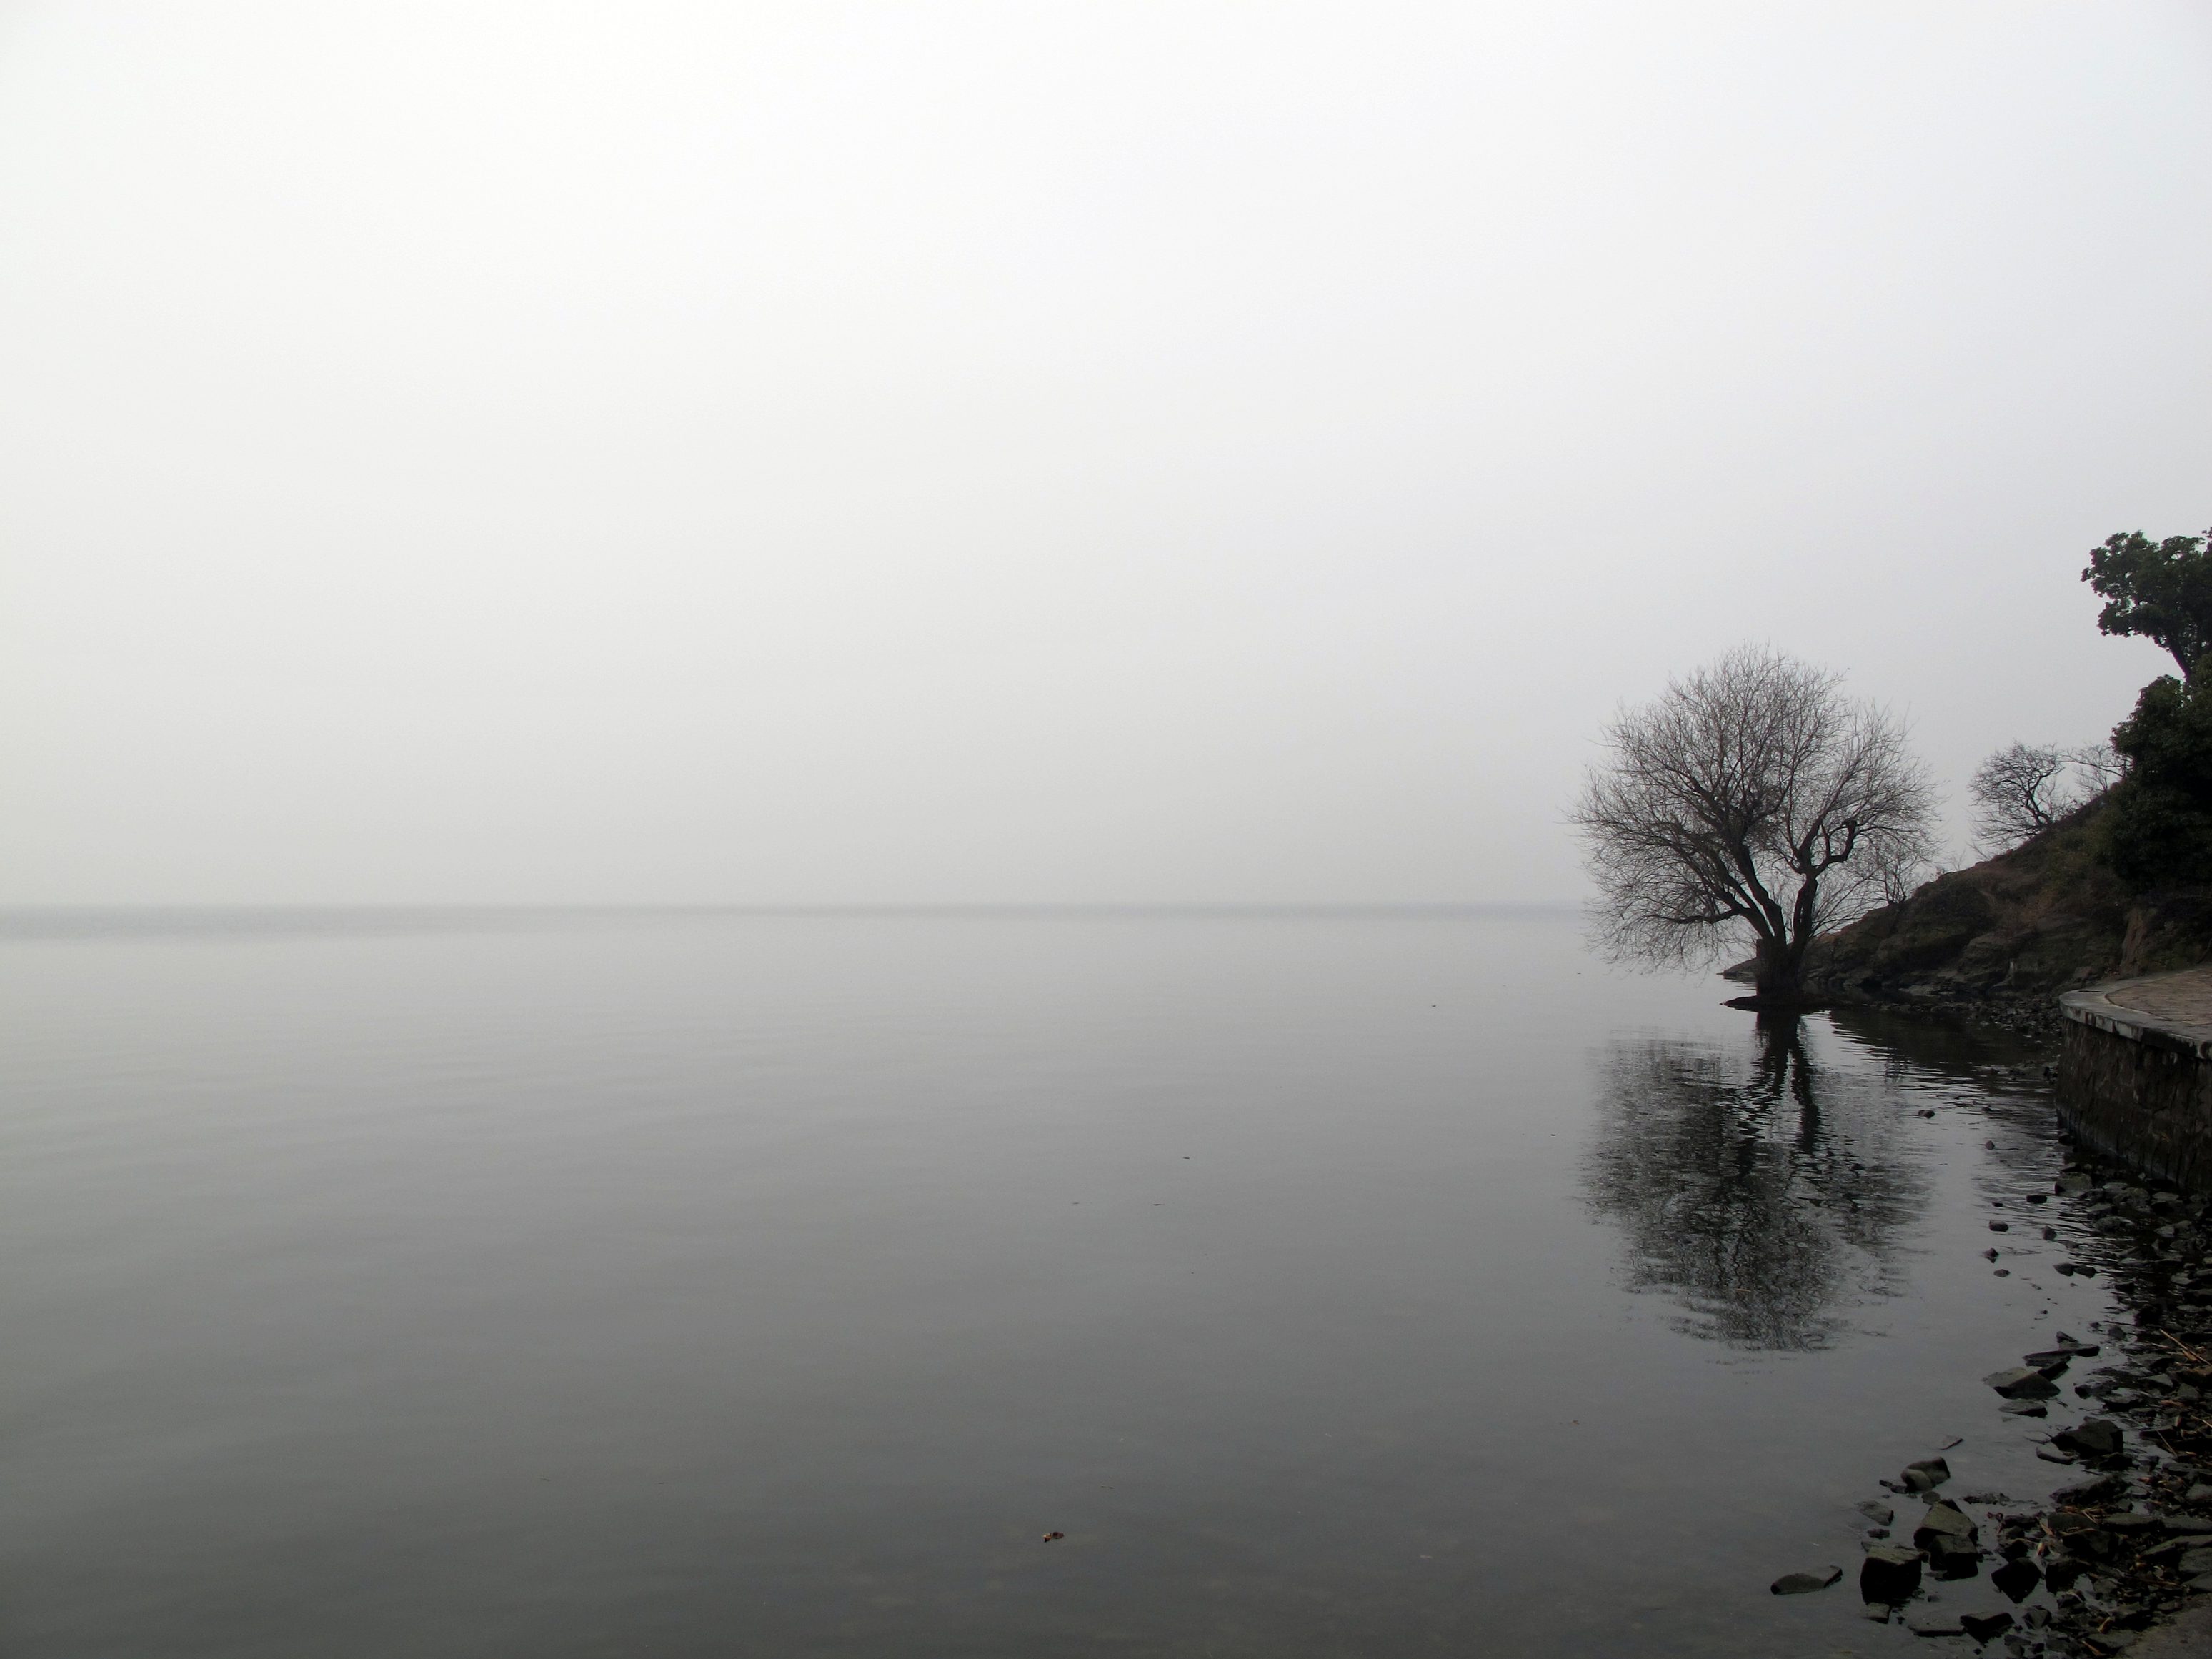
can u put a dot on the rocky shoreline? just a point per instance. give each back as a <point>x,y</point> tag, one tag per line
<point>2105,1558</point>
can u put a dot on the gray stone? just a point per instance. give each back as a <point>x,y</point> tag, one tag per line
<point>1881,1515</point>
<point>2057,1356</point>
<point>1945,1519</point>
<point>2194,1562</point>
<point>2021,1383</point>
<point>2025,1408</point>
<point>1987,1628</point>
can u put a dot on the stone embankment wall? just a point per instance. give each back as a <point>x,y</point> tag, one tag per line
<point>2134,1073</point>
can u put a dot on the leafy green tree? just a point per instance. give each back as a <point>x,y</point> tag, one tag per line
<point>2159,590</point>
<point>2159,828</point>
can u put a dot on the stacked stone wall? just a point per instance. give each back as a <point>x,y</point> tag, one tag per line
<point>2136,1093</point>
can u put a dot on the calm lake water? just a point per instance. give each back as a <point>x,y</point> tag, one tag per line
<point>692,1284</point>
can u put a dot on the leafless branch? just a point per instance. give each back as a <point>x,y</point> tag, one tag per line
<point>1752,803</point>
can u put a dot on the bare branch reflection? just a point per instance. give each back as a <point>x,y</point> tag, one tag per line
<point>1759,1191</point>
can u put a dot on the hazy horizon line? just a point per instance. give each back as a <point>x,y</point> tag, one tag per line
<point>804,906</point>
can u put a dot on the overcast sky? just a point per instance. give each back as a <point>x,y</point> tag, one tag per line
<point>1156,451</point>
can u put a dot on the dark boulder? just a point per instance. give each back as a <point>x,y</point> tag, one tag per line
<point>2098,1437</point>
<point>1889,1574</point>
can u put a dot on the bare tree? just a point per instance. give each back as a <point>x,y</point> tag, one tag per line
<point>2023,791</point>
<point>1752,803</point>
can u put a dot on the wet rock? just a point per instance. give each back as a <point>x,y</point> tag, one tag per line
<point>1925,1475</point>
<point>1889,1574</point>
<point>1933,1621</point>
<point>2193,1562</point>
<point>1987,1628</point>
<point>2186,1523</point>
<point>2103,1489</point>
<point>1943,1520</point>
<point>2093,1544</point>
<point>1804,1584</point>
<point>2017,1579</point>
<point>2133,1523</point>
<point>2022,1383</point>
<point>2098,1437</point>
<point>1877,1511</point>
<point>2000,1226</point>
<point>2025,1408</point>
<point>2057,1356</point>
<point>2199,1494</point>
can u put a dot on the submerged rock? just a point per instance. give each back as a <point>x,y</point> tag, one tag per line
<point>1804,1584</point>
<point>1933,1621</point>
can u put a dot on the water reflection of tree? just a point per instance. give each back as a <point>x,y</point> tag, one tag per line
<point>1756,1188</point>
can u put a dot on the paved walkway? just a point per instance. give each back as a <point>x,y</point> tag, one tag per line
<point>2189,1636</point>
<point>2184,998</point>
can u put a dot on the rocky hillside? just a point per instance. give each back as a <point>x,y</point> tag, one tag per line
<point>2046,917</point>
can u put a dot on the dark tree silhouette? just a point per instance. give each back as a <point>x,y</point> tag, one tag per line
<point>2024,790</point>
<point>1751,803</point>
<point>2159,590</point>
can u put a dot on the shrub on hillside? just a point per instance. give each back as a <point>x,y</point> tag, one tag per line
<point>2158,832</point>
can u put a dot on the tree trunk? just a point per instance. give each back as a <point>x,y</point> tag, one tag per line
<point>1774,977</point>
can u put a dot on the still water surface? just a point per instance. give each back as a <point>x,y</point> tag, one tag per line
<point>694,1284</point>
